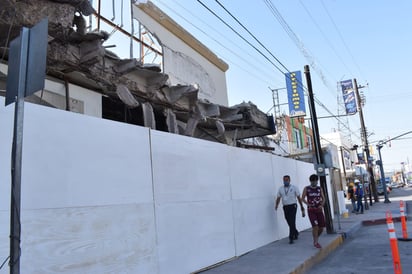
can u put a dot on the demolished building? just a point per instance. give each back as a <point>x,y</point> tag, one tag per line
<point>131,91</point>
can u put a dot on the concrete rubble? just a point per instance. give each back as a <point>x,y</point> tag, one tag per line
<point>79,57</point>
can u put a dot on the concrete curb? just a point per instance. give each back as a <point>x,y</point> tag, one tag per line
<point>408,209</point>
<point>318,257</point>
<point>352,230</point>
<point>215,265</point>
<point>382,221</point>
<point>325,251</point>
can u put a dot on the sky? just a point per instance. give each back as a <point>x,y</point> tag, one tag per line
<point>369,41</point>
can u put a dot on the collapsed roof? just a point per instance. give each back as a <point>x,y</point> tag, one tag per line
<point>78,56</point>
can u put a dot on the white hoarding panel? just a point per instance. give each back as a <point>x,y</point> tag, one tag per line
<point>192,236</point>
<point>76,160</point>
<point>189,169</point>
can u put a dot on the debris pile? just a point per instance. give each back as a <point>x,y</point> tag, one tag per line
<point>79,57</point>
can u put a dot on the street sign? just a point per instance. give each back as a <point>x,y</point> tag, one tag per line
<point>31,51</point>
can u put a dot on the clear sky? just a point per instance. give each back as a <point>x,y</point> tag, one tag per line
<point>367,40</point>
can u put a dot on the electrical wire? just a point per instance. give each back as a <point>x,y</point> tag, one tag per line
<point>324,36</point>
<point>260,43</point>
<point>262,54</point>
<point>223,46</point>
<point>1,266</point>
<point>293,35</point>
<point>394,138</point>
<point>243,38</point>
<point>341,36</point>
<point>254,47</point>
<point>300,45</point>
<point>251,34</point>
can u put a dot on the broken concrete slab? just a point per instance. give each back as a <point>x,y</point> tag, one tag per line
<point>79,57</point>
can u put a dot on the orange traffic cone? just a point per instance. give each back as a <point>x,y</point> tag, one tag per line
<point>394,244</point>
<point>403,220</point>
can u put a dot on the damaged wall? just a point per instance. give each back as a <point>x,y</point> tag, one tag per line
<point>182,69</point>
<point>134,92</point>
<point>182,53</point>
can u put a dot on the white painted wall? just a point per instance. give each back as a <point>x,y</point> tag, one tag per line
<point>105,197</point>
<point>90,101</point>
<point>184,65</point>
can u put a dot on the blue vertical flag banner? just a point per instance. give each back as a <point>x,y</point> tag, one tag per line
<point>296,97</point>
<point>361,158</point>
<point>349,97</point>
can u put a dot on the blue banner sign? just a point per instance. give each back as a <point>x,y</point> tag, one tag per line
<point>349,98</point>
<point>296,97</point>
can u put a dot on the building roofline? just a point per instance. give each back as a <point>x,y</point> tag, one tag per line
<point>168,23</point>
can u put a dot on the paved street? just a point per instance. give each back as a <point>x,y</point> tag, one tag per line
<point>360,245</point>
<point>368,249</point>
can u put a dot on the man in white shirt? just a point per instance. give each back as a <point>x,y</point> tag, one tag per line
<point>289,195</point>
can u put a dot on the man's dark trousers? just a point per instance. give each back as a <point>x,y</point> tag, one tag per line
<point>360,204</point>
<point>290,216</point>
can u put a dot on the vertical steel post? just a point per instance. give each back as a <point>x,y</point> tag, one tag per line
<point>132,29</point>
<point>365,143</point>
<point>383,181</point>
<point>318,150</point>
<point>15,222</point>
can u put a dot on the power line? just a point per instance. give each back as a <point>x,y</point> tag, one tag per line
<point>324,36</point>
<point>394,138</point>
<point>254,37</point>
<point>305,52</point>
<point>238,34</point>
<point>341,36</point>
<point>311,60</point>
<point>260,52</point>
<point>299,44</point>
<point>221,44</point>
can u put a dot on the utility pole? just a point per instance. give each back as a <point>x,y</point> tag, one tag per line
<point>383,181</point>
<point>319,154</point>
<point>364,137</point>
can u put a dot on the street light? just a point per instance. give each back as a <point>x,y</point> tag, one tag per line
<point>380,163</point>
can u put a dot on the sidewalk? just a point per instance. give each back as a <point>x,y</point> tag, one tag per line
<point>281,257</point>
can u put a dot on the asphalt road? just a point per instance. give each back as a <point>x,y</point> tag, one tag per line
<point>369,250</point>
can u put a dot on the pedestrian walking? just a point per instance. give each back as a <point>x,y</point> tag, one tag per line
<point>352,197</point>
<point>315,199</point>
<point>289,194</point>
<point>359,197</point>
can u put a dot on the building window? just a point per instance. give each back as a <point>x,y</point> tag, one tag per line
<point>346,159</point>
<point>309,141</point>
<point>296,135</point>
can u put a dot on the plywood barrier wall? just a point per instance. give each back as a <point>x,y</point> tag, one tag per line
<point>105,197</point>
